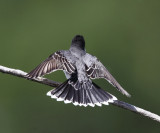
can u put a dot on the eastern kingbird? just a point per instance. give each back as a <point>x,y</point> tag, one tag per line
<point>79,68</point>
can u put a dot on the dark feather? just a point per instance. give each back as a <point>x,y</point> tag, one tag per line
<point>56,61</point>
<point>97,70</point>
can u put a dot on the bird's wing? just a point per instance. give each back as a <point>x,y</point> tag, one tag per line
<point>56,61</point>
<point>95,69</point>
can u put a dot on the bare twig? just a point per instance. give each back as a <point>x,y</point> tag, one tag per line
<point>137,110</point>
<point>51,83</point>
<point>22,74</point>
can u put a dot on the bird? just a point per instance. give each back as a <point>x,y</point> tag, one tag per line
<point>80,69</point>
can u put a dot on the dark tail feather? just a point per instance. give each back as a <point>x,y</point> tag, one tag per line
<point>82,94</point>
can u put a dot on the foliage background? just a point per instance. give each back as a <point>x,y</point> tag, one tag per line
<point>124,35</point>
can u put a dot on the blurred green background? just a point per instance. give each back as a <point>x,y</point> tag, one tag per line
<point>124,35</point>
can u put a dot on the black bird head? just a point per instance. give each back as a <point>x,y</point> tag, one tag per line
<point>78,41</point>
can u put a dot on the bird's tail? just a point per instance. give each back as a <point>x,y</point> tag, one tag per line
<point>82,94</point>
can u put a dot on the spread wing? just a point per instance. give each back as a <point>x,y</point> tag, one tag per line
<point>95,69</point>
<point>56,61</point>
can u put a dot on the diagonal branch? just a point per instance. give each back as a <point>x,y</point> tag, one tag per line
<point>51,83</point>
<point>22,74</point>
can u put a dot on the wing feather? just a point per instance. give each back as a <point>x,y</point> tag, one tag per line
<point>95,69</point>
<point>56,61</point>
